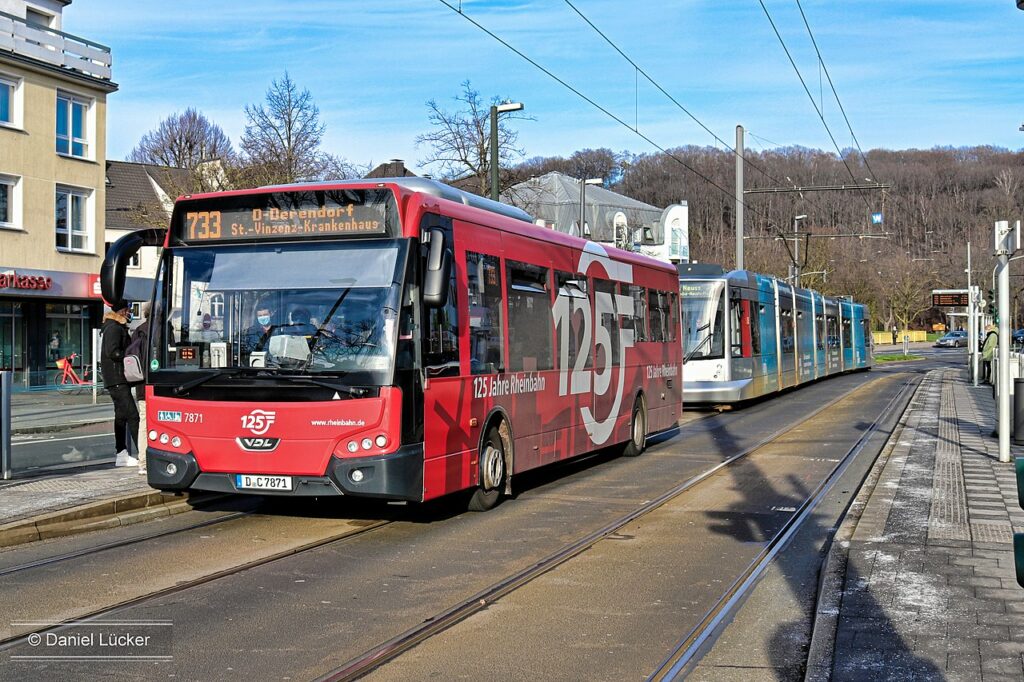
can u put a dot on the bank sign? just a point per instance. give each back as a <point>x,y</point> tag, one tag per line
<point>26,282</point>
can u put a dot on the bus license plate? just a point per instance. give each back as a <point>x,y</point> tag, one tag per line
<point>253,482</point>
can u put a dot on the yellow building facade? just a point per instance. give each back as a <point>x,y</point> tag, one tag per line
<point>53,97</point>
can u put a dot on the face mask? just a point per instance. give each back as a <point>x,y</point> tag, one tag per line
<point>264,320</point>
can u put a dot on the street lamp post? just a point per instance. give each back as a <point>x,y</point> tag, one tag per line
<point>495,110</point>
<point>583,204</point>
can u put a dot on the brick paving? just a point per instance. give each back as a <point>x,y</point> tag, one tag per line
<point>930,591</point>
<point>21,500</point>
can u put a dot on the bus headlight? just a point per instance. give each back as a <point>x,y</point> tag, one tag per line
<point>367,444</point>
<point>353,446</point>
<point>380,441</point>
<point>176,442</point>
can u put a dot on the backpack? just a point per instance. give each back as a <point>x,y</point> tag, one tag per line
<point>134,370</point>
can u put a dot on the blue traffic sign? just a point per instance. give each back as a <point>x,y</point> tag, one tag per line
<point>876,218</point>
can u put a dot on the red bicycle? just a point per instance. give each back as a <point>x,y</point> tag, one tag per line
<point>68,380</point>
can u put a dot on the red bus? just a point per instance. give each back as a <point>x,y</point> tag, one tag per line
<point>396,339</point>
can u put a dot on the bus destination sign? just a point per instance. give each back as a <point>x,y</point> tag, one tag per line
<point>279,216</point>
<point>950,299</point>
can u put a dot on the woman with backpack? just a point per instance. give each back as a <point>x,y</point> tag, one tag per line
<point>112,351</point>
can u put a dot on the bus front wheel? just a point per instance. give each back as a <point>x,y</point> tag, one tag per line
<point>492,472</point>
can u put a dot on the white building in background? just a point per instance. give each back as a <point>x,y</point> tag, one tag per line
<point>609,218</point>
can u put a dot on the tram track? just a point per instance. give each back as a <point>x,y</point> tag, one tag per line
<point>365,527</point>
<point>687,650</point>
<point>391,649</point>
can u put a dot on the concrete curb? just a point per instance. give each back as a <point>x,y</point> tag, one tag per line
<point>109,513</point>
<point>821,652</point>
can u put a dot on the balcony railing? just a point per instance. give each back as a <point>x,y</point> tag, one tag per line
<point>54,47</point>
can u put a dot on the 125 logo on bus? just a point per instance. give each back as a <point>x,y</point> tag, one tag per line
<point>581,379</point>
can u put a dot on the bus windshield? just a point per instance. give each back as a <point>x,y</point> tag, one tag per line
<point>327,308</point>
<point>703,320</point>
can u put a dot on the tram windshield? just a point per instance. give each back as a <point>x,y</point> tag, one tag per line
<point>703,319</point>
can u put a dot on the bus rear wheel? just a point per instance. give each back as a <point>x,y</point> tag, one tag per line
<point>637,431</point>
<point>492,472</point>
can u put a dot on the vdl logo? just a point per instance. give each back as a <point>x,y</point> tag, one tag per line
<point>605,303</point>
<point>259,421</point>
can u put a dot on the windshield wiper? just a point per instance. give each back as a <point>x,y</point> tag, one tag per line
<point>702,341</point>
<point>352,391</point>
<point>189,385</point>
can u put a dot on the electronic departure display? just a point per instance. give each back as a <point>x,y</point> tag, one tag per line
<point>287,215</point>
<point>957,299</point>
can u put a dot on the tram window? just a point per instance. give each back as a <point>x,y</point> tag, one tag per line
<point>735,327</point>
<point>441,336</point>
<point>833,331</point>
<point>847,334</point>
<point>530,323</point>
<point>786,330</point>
<point>638,322</point>
<point>819,321</point>
<point>485,319</point>
<point>609,320</point>
<point>755,328</point>
<point>573,301</point>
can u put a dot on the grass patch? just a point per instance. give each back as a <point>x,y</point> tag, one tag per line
<point>897,357</point>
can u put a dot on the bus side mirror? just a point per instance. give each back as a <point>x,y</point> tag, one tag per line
<point>117,258</point>
<point>438,271</point>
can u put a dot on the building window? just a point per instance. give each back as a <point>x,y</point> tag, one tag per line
<point>71,209</point>
<point>10,191</point>
<point>10,101</point>
<point>72,125</point>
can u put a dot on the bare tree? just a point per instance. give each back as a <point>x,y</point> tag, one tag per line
<point>283,137</point>
<point>183,140</point>
<point>187,140</point>
<point>460,141</point>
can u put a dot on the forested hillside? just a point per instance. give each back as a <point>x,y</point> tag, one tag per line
<point>939,200</point>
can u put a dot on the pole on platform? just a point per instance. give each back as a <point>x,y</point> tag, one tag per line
<point>1002,229</point>
<point>972,324</point>
<point>739,197</point>
<point>95,363</point>
<point>6,387</point>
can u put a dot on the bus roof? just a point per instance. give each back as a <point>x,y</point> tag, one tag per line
<point>458,203</point>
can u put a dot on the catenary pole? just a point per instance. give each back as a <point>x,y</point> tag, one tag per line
<point>739,197</point>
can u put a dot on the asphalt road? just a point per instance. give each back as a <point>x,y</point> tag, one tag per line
<point>611,613</point>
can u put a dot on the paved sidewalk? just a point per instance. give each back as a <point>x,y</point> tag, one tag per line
<point>21,500</point>
<point>930,591</point>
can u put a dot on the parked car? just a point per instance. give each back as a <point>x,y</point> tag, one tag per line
<point>1018,338</point>
<point>955,339</point>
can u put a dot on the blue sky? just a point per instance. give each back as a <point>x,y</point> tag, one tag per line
<point>911,73</point>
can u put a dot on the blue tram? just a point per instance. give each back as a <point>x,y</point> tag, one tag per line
<point>747,335</point>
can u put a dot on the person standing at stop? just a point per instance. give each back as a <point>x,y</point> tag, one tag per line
<point>126,416</point>
<point>142,332</point>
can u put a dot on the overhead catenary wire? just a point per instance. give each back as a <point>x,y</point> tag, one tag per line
<point>831,85</point>
<point>449,4</point>
<point>810,96</point>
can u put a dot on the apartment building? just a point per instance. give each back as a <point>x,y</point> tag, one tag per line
<point>53,95</point>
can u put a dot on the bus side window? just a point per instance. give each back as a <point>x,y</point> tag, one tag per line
<point>608,320</point>
<point>441,337</point>
<point>486,337</point>
<point>657,307</point>
<point>571,299</point>
<point>638,322</point>
<point>673,316</point>
<point>530,322</point>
